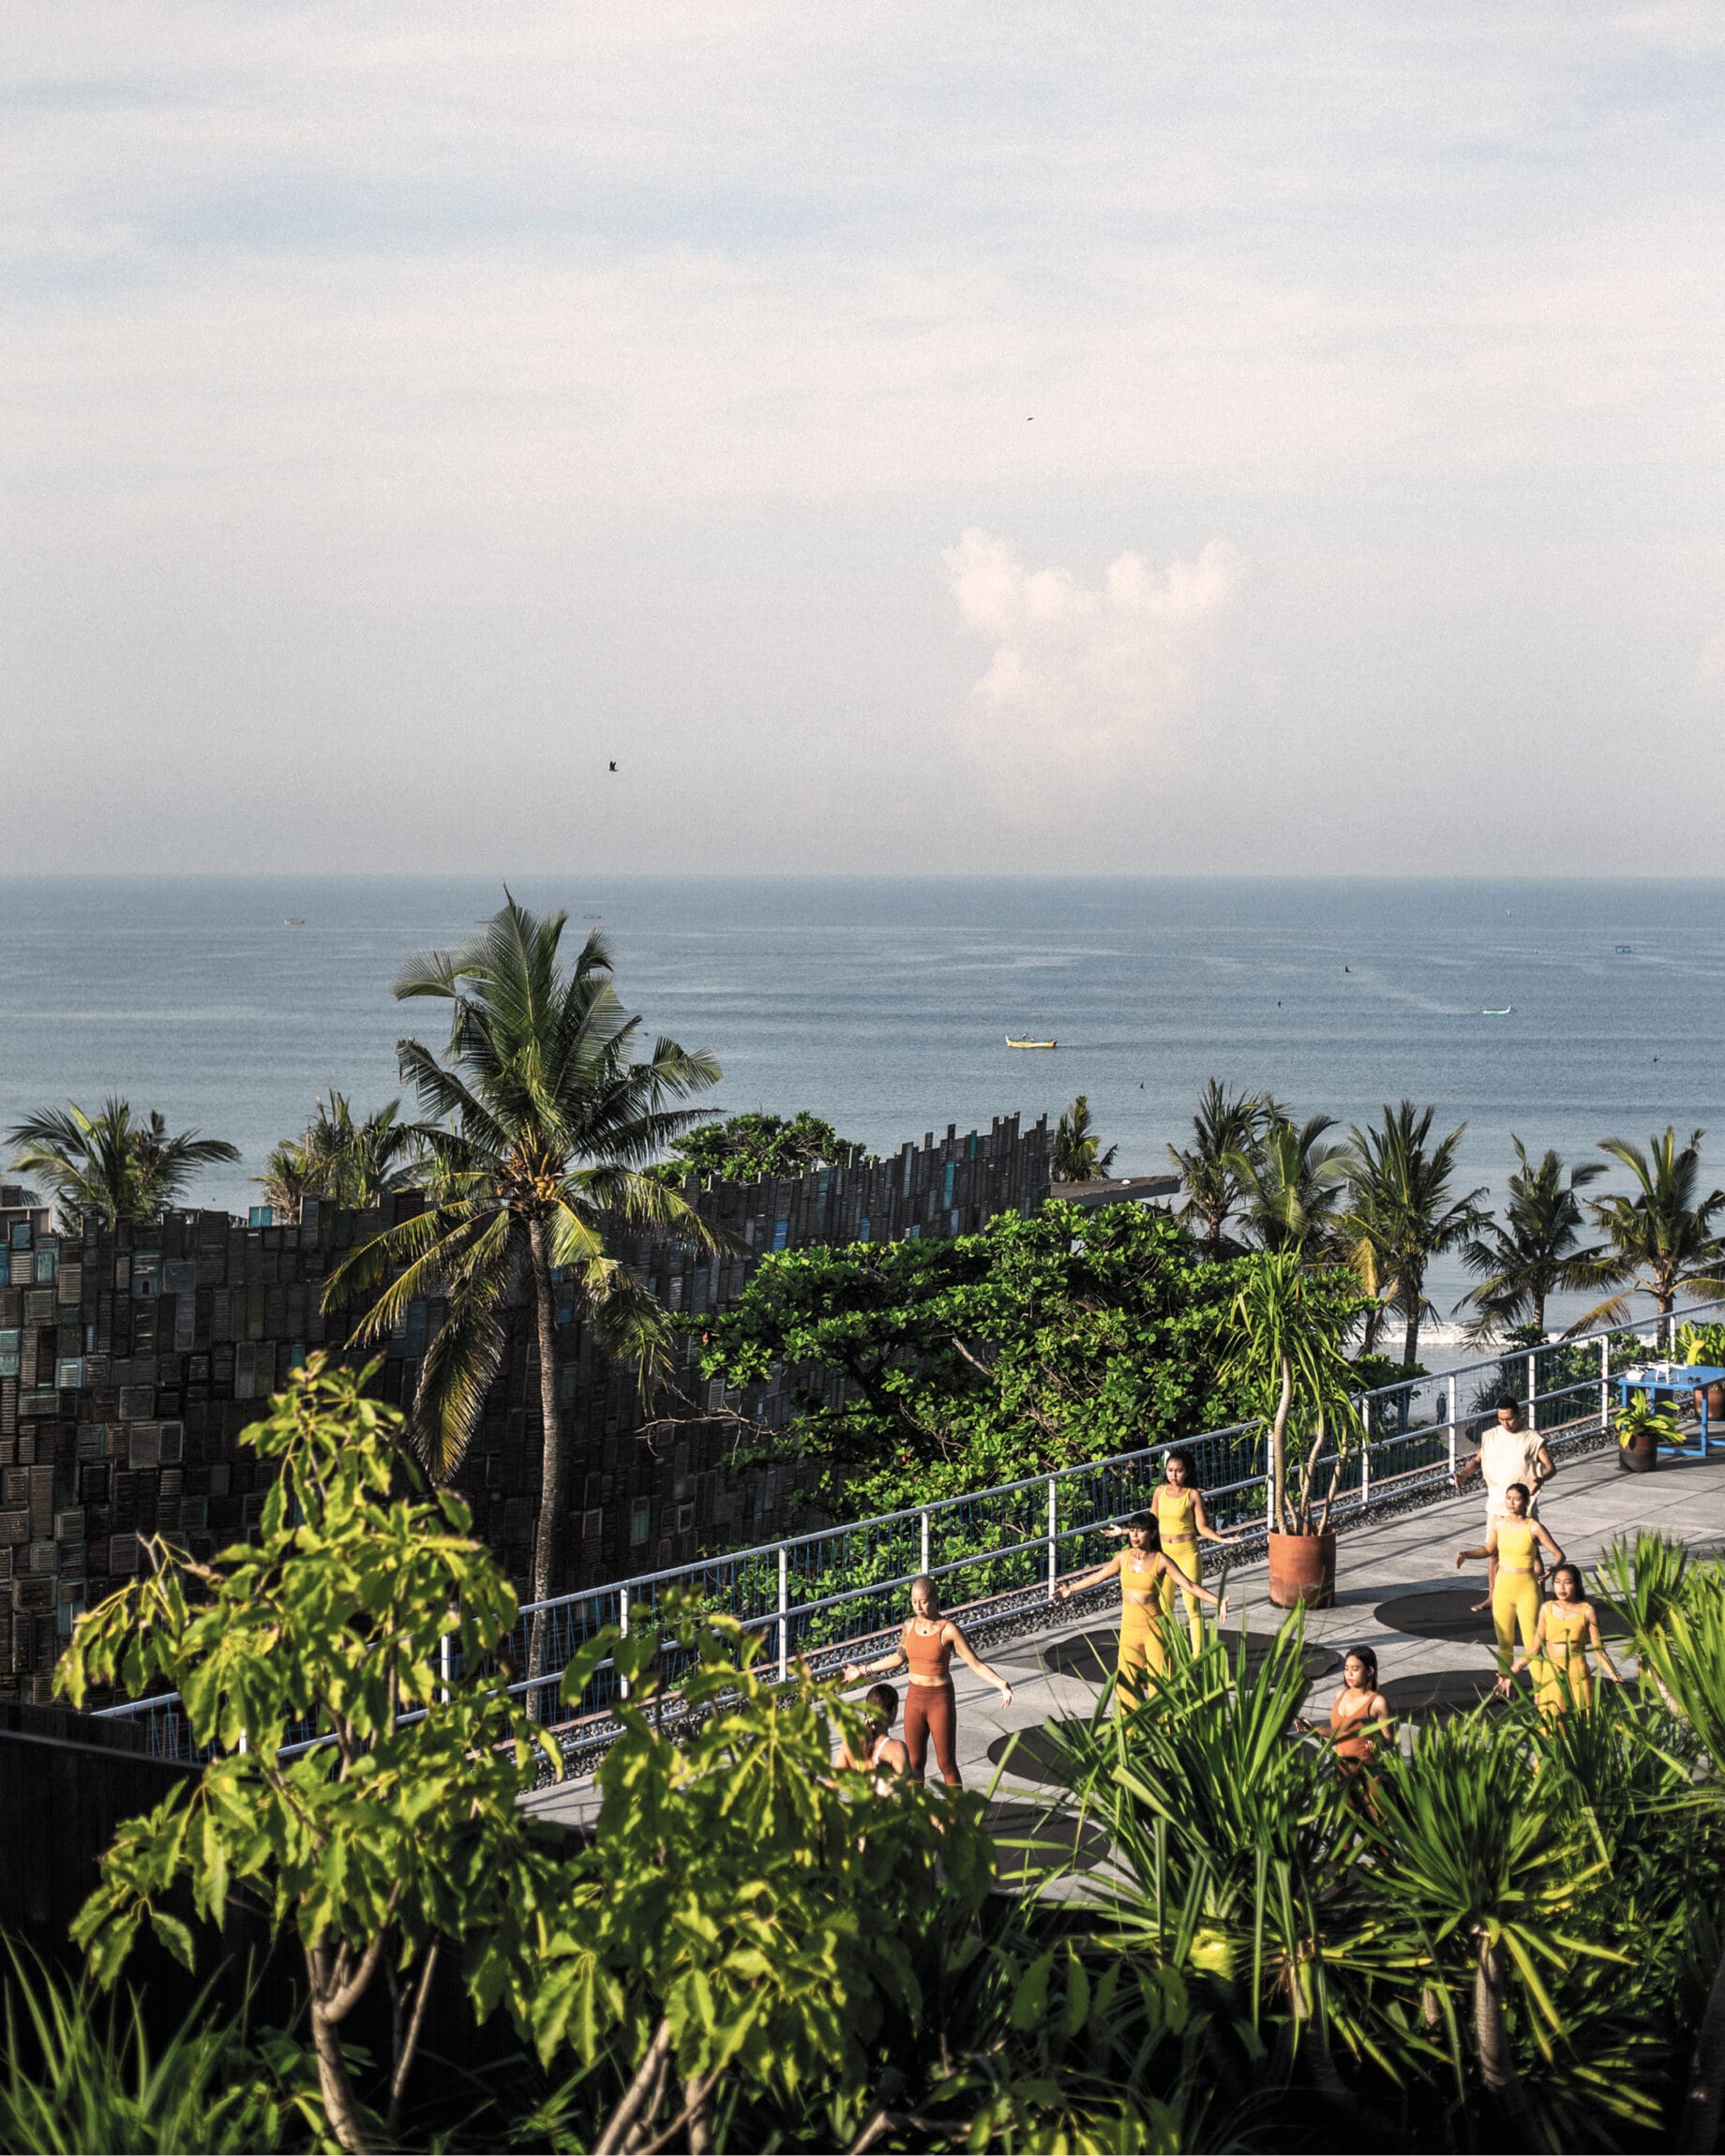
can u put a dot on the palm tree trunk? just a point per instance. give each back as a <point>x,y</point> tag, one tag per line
<point>1699,2131</point>
<point>551,1455</point>
<point>1497,2067</point>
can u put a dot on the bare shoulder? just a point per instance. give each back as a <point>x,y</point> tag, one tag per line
<point>1378,1707</point>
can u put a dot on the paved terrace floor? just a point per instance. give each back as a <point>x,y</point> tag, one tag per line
<point>1589,1504</point>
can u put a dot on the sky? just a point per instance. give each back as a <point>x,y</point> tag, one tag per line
<point>1190,436</point>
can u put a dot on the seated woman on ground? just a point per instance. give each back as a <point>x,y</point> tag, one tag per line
<point>1358,1714</point>
<point>1567,1628</point>
<point>880,1748</point>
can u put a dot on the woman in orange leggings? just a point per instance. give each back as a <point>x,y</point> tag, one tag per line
<point>926,1646</point>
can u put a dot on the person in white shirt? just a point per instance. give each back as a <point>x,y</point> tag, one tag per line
<point>1508,1452</point>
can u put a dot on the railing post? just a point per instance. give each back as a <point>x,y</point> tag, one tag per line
<point>1533,1390</point>
<point>922,1566</point>
<point>446,1656</point>
<point>784,1614</point>
<point>1452,1424</point>
<point>622,1625</point>
<point>1054,1560</point>
<point>1605,1381</point>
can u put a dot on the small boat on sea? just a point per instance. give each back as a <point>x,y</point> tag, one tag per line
<point>1503,1013</point>
<point>1623,950</point>
<point>1012,1043</point>
<point>294,920</point>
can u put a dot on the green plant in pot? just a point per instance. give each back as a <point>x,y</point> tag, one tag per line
<point>1703,1346</point>
<point>1641,1429</point>
<point>1284,1349</point>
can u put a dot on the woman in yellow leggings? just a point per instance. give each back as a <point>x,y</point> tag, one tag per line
<point>1178,1503</point>
<point>1144,1571</point>
<point>1568,1627</point>
<point>1515,1541</point>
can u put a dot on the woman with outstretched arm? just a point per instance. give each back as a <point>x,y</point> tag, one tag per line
<point>926,1646</point>
<point>1144,1572</point>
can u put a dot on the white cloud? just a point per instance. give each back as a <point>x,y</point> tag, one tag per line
<point>1095,685</point>
<point>1709,676</point>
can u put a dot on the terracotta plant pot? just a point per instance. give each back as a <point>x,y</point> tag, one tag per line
<point>1715,1395</point>
<point>1302,1570</point>
<point>1641,1456</point>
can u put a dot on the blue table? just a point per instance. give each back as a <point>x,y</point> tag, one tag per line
<point>1672,1381</point>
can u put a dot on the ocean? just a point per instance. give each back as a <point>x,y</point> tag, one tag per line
<point>883,1005</point>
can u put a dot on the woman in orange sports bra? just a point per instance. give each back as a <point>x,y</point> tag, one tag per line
<point>926,1646</point>
<point>1358,1714</point>
<point>1145,1572</point>
<point>1568,1627</point>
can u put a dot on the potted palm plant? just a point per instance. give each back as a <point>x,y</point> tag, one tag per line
<point>1705,1345</point>
<point>1285,1349</point>
<point>1641,1429</point>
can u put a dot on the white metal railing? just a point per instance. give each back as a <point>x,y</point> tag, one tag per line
<point>826,1596</point>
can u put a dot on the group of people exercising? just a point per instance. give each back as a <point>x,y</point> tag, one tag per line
<point>1161,1559</point>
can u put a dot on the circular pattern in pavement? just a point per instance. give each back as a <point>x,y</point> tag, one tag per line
<point>1449,1613</point>
<point>1031,1841</point>
<point>1036,1756</point>
<point>1431,1692</point>
<point>1091,1656</point>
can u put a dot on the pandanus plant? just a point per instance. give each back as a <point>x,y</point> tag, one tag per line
<point>1283,1348</point>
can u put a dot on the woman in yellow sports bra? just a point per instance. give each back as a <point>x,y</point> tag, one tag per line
<point>1568,1627</point>
<point>1515,1541</point>
<point>1144,1571</point>
<point>1178,1503</point>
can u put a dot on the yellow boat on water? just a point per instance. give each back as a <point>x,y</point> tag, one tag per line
<point>1012,1043</point>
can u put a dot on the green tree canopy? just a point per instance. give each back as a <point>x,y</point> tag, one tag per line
<point>1661,1234</point>
<point>344,1159</point>
<point>752,1147</point>
<point>1535,1251</point>
<point>1078,1157</point>
<point>1033,1344</point>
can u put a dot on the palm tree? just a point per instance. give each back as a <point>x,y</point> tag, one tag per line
<point>108,1169</point>
<point>1292,1186</point>
<point>538,1121</point>
<point>1077,1155</point>
<point>1535,1251</point>
<point>346,1162</point>
<point>1227,1127</point>
<point>1661,1235</point>
<point>1405,1211</point>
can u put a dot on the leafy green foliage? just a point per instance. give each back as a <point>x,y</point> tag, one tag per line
<point>1405,1210</point>
<point>1661,1234</point>
<point>83,2078</point>
<point>394,1838</point>
<point>1035,1344</point>
<point>344,1160</point>
<point>754,1147</point>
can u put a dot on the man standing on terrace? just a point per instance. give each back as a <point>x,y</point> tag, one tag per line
<point>1508,1452</point>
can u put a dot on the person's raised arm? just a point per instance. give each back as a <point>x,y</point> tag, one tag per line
<point>1544,1466</point>
<point>966,1652</point>
<point>853,1671</point>
<point>1487,1549</point>
<point>1467,1470</point>
<point>1077,1584</point>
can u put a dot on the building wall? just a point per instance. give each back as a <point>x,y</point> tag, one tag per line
<point>131,1359</point>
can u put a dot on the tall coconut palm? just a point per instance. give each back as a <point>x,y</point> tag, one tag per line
<point>107,1168</point>
<point>1226,1129</point>
<point>1405,1211</point>
<point>1534,1252</point>
<point>1661,1234</point>
<point>347,1162</point>
<point>1078,1157</point>
<point>538,1121</point>
<point>1293,1187</point>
